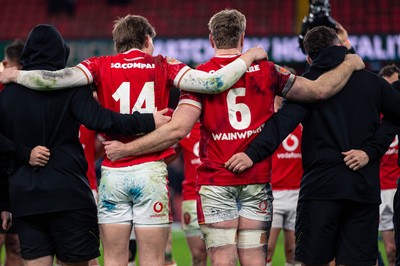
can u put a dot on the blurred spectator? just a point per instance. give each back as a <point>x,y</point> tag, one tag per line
<point>390,73</point>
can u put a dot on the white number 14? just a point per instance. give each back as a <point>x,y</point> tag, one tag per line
<point>144,103</point>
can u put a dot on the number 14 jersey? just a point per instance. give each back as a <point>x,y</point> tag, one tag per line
<point>133,81</point>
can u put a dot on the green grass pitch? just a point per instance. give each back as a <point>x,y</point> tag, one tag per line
<point>181,253</point>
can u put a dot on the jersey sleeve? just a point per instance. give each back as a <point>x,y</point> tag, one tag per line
<point>284,80</point>
<point>190,98</point>
<point>91,68</point>
<point>175,70</point>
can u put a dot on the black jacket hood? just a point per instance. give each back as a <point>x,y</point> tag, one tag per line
<point>328,58</point>
<point>45,49</point>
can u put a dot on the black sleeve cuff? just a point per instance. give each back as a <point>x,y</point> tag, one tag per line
<point>22,154</point>
<point>146,122</point>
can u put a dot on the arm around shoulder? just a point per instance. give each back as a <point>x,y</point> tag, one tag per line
<point>328,84</point>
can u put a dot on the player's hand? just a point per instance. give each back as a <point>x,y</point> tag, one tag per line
<point>238,163</point>
<point>160,118</point>
<point>355,159</point>
<point>39,156</point>
<point>257,53</point>
<point>7,220</point>
<point>343,36</point>
<point>114,150</point>
<point>354,61</point>
<point>9,75</point>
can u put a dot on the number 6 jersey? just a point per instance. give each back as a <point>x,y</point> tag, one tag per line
<point>134,81</point>
<point>231,119</point>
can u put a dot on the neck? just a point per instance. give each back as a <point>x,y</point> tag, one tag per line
<point>231,51</point>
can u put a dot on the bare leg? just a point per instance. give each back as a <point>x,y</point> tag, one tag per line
<point>13,251</point>
<point>225,255</point>
<point>115,239</point>
<point>93,262</point>
<point>198,250</point>
<point>256,256</point>
<point>85,263</point>
<point>273,237</point>
<point>390,247</point>
<point>2,240</point>
<point>169,260</point>
<point>151,243</point>
<point>290,245</point>
<point>43,261</point>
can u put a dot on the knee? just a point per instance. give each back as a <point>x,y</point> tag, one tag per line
<point>199,256</point>
<point>390,249</point>
<point>12,245</point>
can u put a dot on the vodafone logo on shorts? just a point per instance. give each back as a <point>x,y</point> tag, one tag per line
<point>158,207</point>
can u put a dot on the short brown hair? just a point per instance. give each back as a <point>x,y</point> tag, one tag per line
<point>318,38</point>
<point>389,70</point>
<point>13,51</point>
<point>130,32</point>
<point>226,28</point>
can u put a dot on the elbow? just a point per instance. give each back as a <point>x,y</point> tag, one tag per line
<point>177,134</point>
<point>180,134</point>
<point>321,96</point>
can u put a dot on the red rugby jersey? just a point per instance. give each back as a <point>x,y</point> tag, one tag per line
<point>87,138</point>
<point>287,168</point>
<point>133,81</point>
<point>230,120</point>
<point>190,151</point>
<point>389,169</point>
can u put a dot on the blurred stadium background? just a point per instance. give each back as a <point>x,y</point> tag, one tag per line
<point>182,32</point>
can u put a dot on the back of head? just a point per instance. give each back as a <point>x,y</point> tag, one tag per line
<point>12,54</point>
<point>44,49</point>
<point>390,73</point>
<point>226,28</point>
<point>318,38</point>
<point>130,32</point>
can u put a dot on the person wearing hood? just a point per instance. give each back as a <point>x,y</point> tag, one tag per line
<point>53,207</point>
<point>343,139</point>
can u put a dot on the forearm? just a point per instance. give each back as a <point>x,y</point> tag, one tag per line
<point>380,142</point>
<point>219,81</point>
<point>333,81</point>
<point>88,112</point>
<point>327,85</point>
<point>275,131</point>
<point>165,138</point>
<point>50,80</point>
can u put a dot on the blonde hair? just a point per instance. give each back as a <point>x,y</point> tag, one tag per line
<point>227,27</point>
<point>130,32</point>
